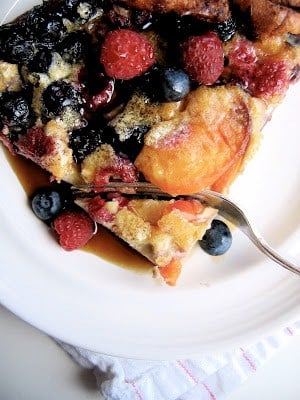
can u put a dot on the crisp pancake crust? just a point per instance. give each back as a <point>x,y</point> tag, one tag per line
<point>216,10</point>
<point>273,17</point>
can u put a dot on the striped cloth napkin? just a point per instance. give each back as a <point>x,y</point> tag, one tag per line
<point>205,378</point>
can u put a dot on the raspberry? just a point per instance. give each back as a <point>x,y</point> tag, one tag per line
<point>102,98</point>
<point>269,78</point>
<point>203,58</point>
<point>102,177</point>
<point>242,57</point>
<point>34,144</point>
<point>126,170</point>
<point>98,211</point>
<point>126,54</point>
<point>123,169</point>
<point>73,228</point>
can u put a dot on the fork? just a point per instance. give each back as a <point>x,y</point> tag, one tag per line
<point>226,208</point>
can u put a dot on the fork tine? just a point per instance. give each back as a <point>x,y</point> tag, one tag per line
<point>142,188</point>
<point>125,188</point>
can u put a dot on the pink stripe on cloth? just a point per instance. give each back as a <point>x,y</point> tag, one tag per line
<point>137,392</point>
<point>290,331</point>
<point>250,362</point>
<point>211,395</point>
<point>188,372</point>
<point>209,377</point>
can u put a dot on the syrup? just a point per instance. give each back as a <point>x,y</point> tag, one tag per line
<point>104,244</point>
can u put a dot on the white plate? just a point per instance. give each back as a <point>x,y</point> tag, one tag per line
<point>218,304</point>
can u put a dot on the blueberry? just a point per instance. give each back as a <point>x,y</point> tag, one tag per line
<point>74,47</point>
<point>69,8</point>
<point>164,84</point>
<point>134,143</point>
<point>43,25</point>
<point>84,141</point>
<point>149,83</point>
<point>142,19</point>
<point>58,96</point>
<point>217,239</point>
<point>52,30</point>
<point>5,33</point>
<point>175,84</point>
<point>293,39</point>
<point>176,27</point>
<point>18,49</point>
<point>15,111</point>
<point>34,19</point>
<point>225,29</point>
<point>40,62</point>
<point>46,203</point>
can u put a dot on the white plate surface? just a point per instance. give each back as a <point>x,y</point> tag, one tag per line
<point>218,303</point>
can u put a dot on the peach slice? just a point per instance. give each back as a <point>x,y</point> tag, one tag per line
<point>196,148</point>
<point>170,272</point>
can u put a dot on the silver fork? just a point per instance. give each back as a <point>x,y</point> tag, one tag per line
<point>227,208</point>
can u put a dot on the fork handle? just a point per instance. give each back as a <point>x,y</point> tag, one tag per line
<point>273,255</point>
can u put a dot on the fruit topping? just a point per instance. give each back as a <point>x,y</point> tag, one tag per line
<point>293,40</point>
<point>203,58</point>
<point>225,29</point>
<point>242,57</point>
<point>262,76</point>
<point>46,203</point>
<point>122,169</point>
<point>102,97</point>
<point>44,26</point>
<point>171,25</point>
<point>15,111</point>
<point>40,62</point>
<point>175,84</point>
<point>17,48</point>
<point>134,141</point>
<point>73,228</point>
<point>188,155</point>
<point>74,47</point>
<point>269,78</point>
<point>35,144</point>
<point>5,33</point>
<point>98,211</point>
<point>58,96</point>
<point>217,239</point>
<point>189,208</point>
<point>171,272</point>
<point>148,83</point>
<point>142,19</point>
<point>126,54</point>
<point>84,141</point>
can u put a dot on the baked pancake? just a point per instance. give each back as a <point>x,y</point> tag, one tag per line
<point>173,92</point>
